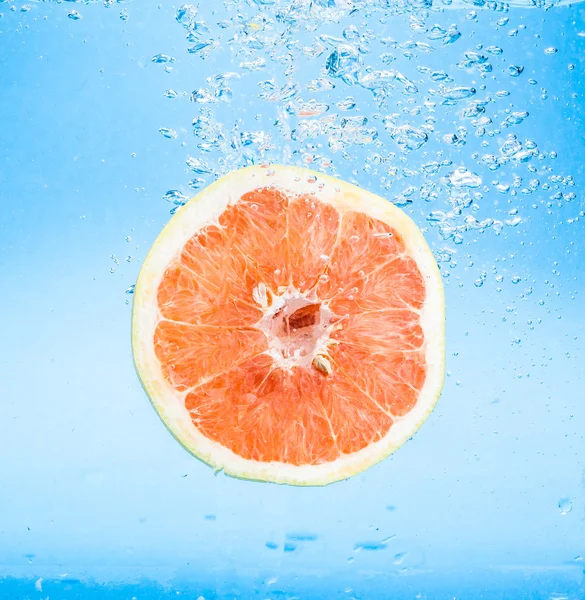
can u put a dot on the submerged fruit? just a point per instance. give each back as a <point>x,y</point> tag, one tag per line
<point>289,327</point>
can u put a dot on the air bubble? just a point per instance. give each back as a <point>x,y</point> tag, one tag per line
<point>168,132</point>
<point>515,71</point>
<point>162,59</point>
<point>565,506</point>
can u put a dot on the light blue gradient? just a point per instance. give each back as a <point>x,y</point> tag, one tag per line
<point>91,483</point>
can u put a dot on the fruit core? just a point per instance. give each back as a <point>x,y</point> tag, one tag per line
<point>297,328</point>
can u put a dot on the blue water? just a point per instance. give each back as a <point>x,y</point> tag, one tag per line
<point>471,119</point>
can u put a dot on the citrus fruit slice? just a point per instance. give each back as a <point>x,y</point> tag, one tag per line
<point>289,327</point>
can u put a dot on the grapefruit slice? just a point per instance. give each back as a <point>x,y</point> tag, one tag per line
<point>289,327</point>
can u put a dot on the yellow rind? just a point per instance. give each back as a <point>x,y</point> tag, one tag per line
<point>204,208</point>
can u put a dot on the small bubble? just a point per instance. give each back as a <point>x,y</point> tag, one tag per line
<point>168,133</point>
<point>198,166</point>
<point>130,290</point>
<point>74,15</point>
<point>176,197</point>
<point>186,15</point>
<point>550,50</point>
<point>253,65</point>
<point>162,58</point>
<point>171,94</point>
<point>516,279</point>
<point>196,183</point>
<point>515,71</point>
<point>565,506</point>
<point>347,104</point>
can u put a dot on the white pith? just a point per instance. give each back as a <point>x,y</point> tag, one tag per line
<point>278,347</point>
<point>205,209</point>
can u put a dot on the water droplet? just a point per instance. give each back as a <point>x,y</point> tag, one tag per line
<point>550,50</point>
<point>565,506</point>
<point>74,15</point>
<point>171,94</point>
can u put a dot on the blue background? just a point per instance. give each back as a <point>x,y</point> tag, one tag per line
<point>98,500</point>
